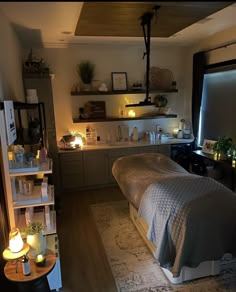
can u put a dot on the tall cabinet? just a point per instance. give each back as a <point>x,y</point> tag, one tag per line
<point>30,204</point>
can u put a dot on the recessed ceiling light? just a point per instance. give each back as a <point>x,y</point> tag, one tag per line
<point>66,32</point>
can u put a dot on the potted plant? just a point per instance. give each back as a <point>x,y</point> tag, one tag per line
<point>222,146</point>
<point>161,102</point>
<point>35,238</point>
<point>86,73</point>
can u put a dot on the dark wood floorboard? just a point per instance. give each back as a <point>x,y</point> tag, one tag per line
<point>84,264</point>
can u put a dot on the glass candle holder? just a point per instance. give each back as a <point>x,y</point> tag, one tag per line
<point>40,260</point>
<point>234,162</point>
<point>217,155</point>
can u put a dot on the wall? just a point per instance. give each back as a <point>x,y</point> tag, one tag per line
<point>112,58</point>
<point>11,86</point>
<point>219,39</point>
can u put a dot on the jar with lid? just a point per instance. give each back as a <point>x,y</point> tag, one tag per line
<point>19,155</point>
<point>180,134</point>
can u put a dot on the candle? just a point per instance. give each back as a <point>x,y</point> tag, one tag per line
<point>131,113</point>
<point>10,156</point>
<point>175,132</point>
<point>215,156</point>
<point>233,163</point>
<point>40,257</point>
<point>40,260</point>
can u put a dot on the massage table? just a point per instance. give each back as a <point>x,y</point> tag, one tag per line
<point>187,221</point>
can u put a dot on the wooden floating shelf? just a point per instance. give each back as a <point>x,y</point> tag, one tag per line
<point>77,120</point>
<point>122,92</point>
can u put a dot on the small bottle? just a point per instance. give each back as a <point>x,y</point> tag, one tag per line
<point>180,134</point>
<point>160,135</point>
<point>25,265</point>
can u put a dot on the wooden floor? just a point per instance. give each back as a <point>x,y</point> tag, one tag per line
<point>84,265</point>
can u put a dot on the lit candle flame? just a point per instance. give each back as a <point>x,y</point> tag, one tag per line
<point>131,113</point>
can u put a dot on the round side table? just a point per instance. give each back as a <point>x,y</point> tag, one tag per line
<point>37,280</point>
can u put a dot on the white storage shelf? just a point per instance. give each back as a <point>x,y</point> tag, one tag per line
<point>34,199</point>
<point>44,168</point>
<point>37,216</point>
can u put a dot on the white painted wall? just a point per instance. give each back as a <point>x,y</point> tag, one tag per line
<point>113,58</point>
<point>219,39</point>
<point>11,85</point>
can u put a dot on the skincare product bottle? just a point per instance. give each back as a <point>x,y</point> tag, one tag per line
<point>25,265</point>
<point>180,134</point>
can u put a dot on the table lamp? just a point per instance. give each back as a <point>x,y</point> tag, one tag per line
<point>17,248</point>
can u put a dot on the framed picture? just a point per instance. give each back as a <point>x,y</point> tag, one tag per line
<point>119,81</point>
<point>208,146</point>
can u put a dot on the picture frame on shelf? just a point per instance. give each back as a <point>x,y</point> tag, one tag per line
<point>119,81</point>
<point>208,146</point>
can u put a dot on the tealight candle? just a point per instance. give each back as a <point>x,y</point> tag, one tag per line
<point>40,260</point>
<point>215,156</point>
<point>175,132</point>
<point>131,113</point>
<point>233,163</point>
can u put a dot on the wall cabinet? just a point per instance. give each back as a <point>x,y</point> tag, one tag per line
<point>24,198</point>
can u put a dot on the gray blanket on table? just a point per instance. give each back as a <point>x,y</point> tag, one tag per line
<point>191,218</point>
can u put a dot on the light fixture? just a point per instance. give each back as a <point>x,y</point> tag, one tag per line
<point>146,19</point>
<point>17,248</point>
<point>15,240</point>
<point>78,142</point>
<point>72,141</point>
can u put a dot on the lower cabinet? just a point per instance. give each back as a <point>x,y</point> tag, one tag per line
<point>114,154</point>
<point>95,167</point>
<point>92,168</point>
<point>71,170</point>
<point>165,149</point>
<point>148,149</point>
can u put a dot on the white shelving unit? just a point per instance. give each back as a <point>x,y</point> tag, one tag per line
<point>19,204</point>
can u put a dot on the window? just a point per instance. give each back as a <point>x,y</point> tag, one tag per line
<point>218,106</point>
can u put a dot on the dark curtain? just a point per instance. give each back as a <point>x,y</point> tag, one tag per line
<point>199,63</point>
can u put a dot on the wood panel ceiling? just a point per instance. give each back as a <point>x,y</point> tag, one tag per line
<point>122,19</point>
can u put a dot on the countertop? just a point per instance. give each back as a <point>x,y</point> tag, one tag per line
<point>125,144</point>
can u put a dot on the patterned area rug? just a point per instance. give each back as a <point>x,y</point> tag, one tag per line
<point>133,266</point>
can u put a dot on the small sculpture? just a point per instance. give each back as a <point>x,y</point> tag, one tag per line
<point>103,87</point>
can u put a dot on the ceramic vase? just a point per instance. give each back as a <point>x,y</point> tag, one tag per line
<point>87,86</point>
<point>37,244</point>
